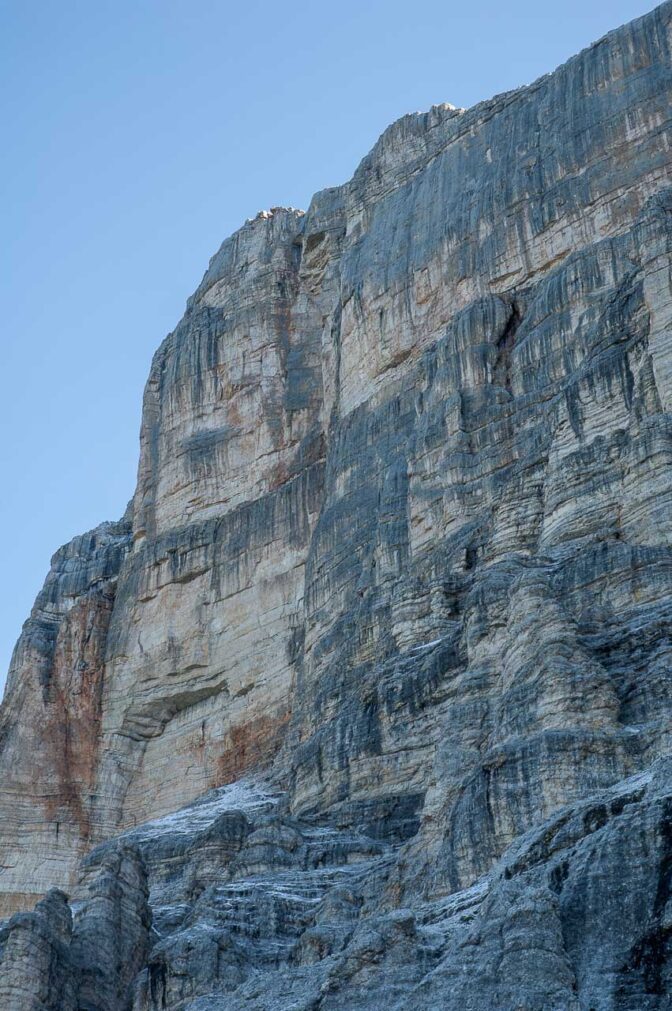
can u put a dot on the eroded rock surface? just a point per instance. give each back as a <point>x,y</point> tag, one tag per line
<point>393,596</point>
<point>48,962</point>
<point>51,718</point>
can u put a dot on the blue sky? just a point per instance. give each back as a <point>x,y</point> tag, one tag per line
<point>137,134</point>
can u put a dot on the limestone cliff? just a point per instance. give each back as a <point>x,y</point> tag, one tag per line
<point>399,562</point>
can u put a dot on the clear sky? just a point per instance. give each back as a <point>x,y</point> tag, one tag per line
<point>137,134</point>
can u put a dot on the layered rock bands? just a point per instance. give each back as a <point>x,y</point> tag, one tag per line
<point>400,551</point>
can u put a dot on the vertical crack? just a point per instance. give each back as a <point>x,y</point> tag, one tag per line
<point>501,372</point>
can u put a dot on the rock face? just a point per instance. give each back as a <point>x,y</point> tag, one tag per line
<point>394,594</point>
<point>51,718</point>
<point>47,964</point>
<point>36,971</point>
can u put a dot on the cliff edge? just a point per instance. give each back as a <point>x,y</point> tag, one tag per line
<point>389,616</point>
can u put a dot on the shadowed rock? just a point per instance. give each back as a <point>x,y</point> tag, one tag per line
<point>47,964</point>
<point>111,937</point>
<point>36,970</point>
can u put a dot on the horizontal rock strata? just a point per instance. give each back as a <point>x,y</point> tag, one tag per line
<point>393,596</point>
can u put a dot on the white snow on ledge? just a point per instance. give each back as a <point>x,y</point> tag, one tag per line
<point>243,795</point>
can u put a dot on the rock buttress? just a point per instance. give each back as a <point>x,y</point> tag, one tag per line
<point>404,505</point>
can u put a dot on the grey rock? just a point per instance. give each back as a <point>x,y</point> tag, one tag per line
<point>36,972</point>
<point>111,937</point>
<point>374,679</point>
<point>47,963</point>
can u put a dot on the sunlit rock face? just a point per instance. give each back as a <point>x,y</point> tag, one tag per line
<point>400,551</point>
<point>207,623</point>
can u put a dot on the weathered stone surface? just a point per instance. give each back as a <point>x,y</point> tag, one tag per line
<point>51,716</point>
<point>36,972</point>
<point>401,543</point>
<point>207,625</point>
<point>47,964</point>
<point>556,922</point>
<point>112,931</point>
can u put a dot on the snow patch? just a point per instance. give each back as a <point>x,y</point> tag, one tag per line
<point>243,795</point>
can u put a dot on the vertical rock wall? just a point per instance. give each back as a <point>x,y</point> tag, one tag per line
<point>51,718</point>
<point>404,506</point>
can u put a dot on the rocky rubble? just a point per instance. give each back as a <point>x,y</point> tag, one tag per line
<point>374,677</point>
<point>254,909</point>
